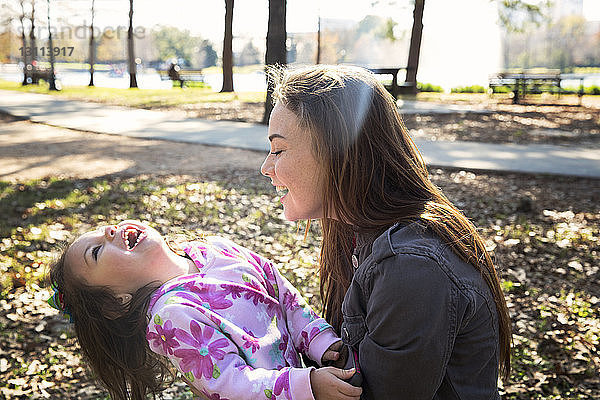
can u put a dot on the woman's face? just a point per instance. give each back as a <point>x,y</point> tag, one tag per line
<point>292,166</point>
<point>124,257</point>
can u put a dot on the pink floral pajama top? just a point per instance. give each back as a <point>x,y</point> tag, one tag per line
<point>235,329</point>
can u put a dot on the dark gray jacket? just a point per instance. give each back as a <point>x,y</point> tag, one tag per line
<point>424,322</point>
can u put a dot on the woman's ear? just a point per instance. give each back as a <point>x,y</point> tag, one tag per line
<point>124,298</point>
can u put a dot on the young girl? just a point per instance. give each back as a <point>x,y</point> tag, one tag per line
<point>221,314</point>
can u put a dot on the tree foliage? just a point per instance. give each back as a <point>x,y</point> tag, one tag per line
<point>563,44</point>
<point>171,42</point>
<point>377,26</point>
<point>517,15</point>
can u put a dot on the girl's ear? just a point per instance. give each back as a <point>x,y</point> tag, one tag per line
<point>124,298</point>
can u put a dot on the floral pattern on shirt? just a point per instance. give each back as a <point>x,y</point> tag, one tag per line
<point>200,359</point>
<point>164,337</point>
<point>237,321</point>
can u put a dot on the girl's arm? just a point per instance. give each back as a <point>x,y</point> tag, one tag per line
<point>310,334</point>
<point>211,362</point>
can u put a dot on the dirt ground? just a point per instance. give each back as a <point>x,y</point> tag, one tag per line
<point>543,229</point>
<point>550,121</point>
<point>45,150</point>
<point>34,151</point>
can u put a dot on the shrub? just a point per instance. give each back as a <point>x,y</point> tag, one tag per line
<point>500,89</point>
<point>428,87</point>
<point>594,90</point>
<point>468,89</point>
<point>589,90</point>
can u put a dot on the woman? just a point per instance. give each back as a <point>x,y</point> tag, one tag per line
<point>405,277</point>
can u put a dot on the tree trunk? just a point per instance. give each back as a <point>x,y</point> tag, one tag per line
<point>415,47</point>
<point>33,46</point>
<point>26,64</point>
<point>130,53</point>
<point>319,41</point>
<point>52,77</point>
<point>227,48</point>
<point>276,53</point>
<point>92,48</point>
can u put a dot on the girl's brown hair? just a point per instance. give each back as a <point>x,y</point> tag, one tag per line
<point>375,176</point>
<point>112,335</point>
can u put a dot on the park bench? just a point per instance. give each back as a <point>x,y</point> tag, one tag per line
<point>186,77</point>
<point>34,74</point>
<point>395,88</point>
<point>532,81</point>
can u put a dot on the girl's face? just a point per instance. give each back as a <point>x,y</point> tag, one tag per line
<point>124,257</point>
<point>292,166</point>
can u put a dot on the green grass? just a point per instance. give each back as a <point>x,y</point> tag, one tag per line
<point>556,321</point>
<point>41,214</point>
<point>142,98</point>
<point>246,69</point>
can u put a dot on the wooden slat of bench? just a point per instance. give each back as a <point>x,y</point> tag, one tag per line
<point>186,75</point>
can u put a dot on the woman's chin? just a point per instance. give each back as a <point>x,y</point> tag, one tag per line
<point>288,216</point>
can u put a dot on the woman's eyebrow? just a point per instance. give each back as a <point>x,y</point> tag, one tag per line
<point>275,135</point>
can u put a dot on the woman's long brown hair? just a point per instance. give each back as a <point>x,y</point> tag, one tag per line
<point>374,177</point>
<point>112,335</point>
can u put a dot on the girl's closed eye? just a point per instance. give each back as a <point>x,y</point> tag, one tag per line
<point>95,251</point>
<point>276,153</point>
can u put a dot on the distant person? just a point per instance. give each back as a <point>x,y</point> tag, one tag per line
<point>221,314</point>
<point>174,74</point>
<point>405,276</point>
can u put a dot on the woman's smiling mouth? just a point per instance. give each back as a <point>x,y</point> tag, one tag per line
<point>282,191</point>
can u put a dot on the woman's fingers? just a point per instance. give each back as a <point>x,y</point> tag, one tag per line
<point>343,374</point>
<point>344,387</point>
<point>345,397</point>
<point>348,390</point>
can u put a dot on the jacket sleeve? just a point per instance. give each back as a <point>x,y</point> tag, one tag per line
<point>211,362</point>
<point>410,326</point>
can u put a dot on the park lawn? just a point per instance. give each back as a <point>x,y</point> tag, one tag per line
<point>140,98</point>
<point>245,69</point>
<point>544,233</point>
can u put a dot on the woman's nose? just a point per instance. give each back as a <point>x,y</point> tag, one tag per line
<point>109,232</point>
<point>267,166</point>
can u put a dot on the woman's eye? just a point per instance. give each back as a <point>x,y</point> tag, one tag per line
<point>276,153</point>
<point>95,251</point>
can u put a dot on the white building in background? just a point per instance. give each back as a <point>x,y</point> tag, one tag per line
<point>458,49</point>
<point>564,8</point>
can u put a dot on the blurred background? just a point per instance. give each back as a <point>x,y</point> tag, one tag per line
<point>463,42</point>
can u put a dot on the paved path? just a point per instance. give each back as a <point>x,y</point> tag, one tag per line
<point>94,117</point>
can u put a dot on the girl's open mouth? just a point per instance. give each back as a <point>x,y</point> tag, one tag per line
<point>132,236</point>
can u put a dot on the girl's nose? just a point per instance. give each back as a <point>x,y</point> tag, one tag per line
<point>267,167</point>
<point>110,231</point>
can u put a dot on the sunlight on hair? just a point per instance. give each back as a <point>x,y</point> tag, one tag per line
<point>363,104</point>
<point>298,223</point>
